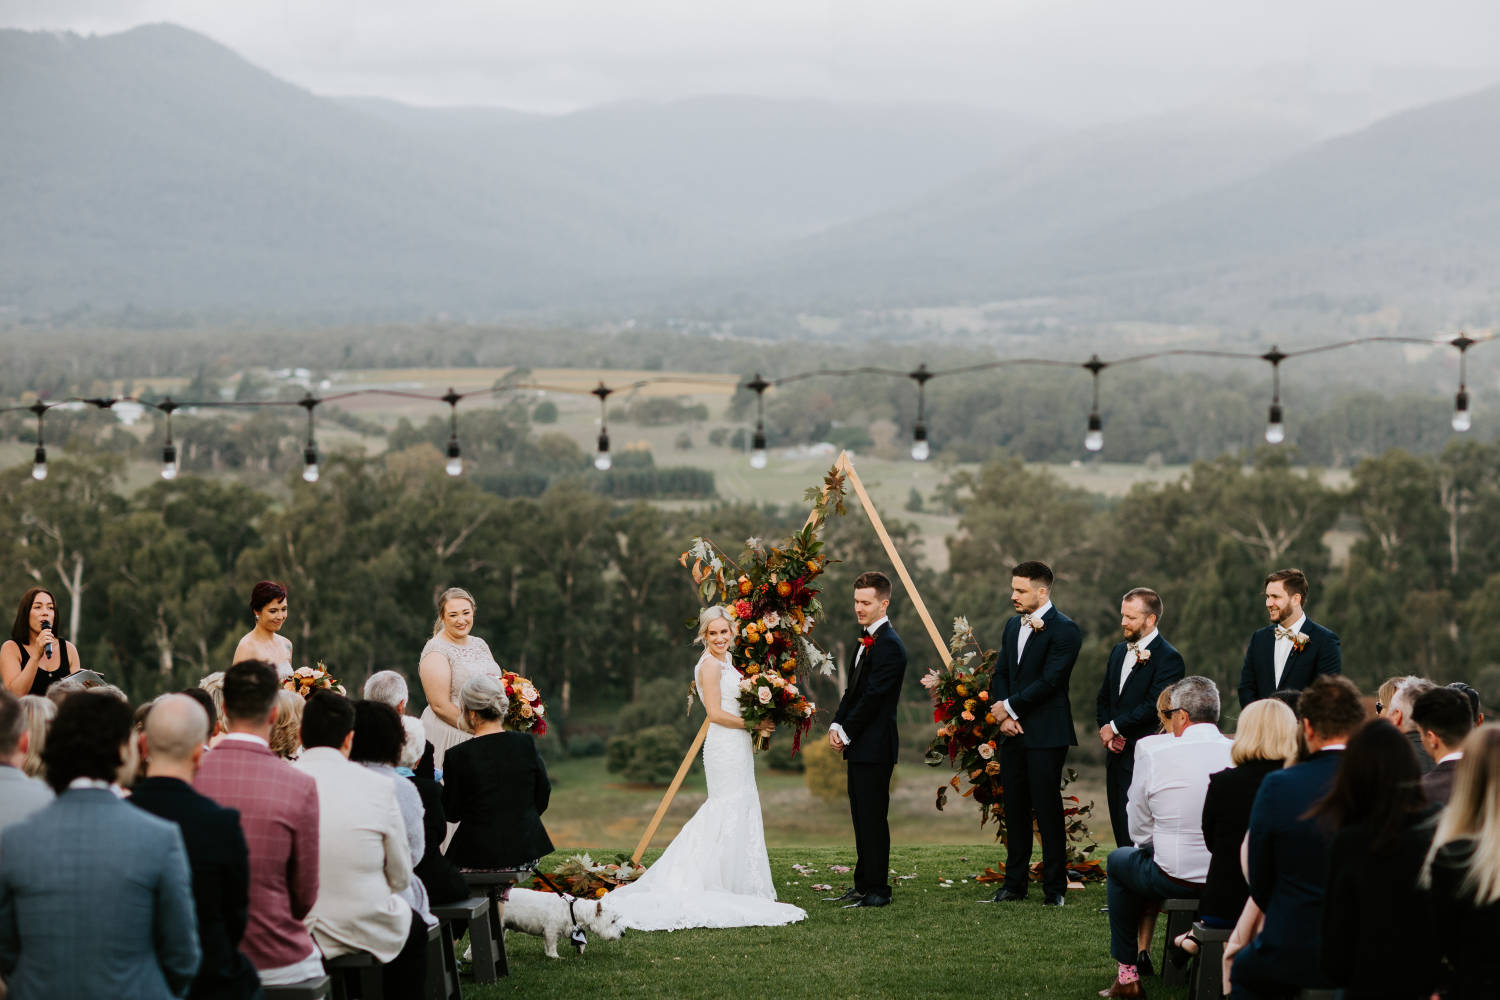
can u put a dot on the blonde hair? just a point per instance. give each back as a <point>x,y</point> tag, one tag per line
<point>39,713</point>
<point>1267,730</point>
<point>484,695</point>
<point>711,614</point>
<point>1164,708</point>
<point>286,734</point>
<point>451,594</point>
<point>1474,813</point>
<point>214,685</point>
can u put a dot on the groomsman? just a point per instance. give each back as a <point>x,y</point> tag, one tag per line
<point>1029,692</point>
<point>1288,653</point>
<point>1140,669</point>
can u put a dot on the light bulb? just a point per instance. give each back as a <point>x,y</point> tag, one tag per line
<point>39,469</point>
<point>921,451</point>
<point>758,456</point>
<point>1275,430</point>
<point>602,461</point>
<point>169,462</point>
<point>310,465</point>
<point>455,466</point>
<point>1094,439</point>
<point>1461,421</point>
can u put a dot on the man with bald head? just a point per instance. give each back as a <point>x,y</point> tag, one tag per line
<point>176,730</point>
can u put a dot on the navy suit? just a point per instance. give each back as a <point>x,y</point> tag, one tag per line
<point>1133,712</point>
<point>867,713</point>
<point>1031,764</point>
<point>1289,859</point>
<point>1321,655</point>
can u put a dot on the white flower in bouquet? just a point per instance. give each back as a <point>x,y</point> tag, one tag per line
<point>776,681</point>
<point>528,692</point>
<point>306,672</point>
<point>746,684</point>
<point>772,619</point>
<point>765,696</point>
<point>986,751</point>
<point>791,689</point>
<point>541,710</point>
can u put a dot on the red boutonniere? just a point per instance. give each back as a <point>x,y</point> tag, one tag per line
<point>867,641</point>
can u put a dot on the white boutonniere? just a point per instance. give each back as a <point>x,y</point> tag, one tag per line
<point>1299,641</point>
<point>1033,622</point>
<point>1143,656</point>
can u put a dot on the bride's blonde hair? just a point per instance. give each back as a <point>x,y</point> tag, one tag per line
<point>451,594</point>
<point>711,614</point>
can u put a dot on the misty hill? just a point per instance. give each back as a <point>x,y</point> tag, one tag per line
<point>157,168</point>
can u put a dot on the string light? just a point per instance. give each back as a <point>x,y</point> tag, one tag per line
<point>602,461</point>
<point>758,456</point>
<point>169,450</point>
<point>920,449</point>
<point>1461,420</point>
<point>39,461</point>
<point>1093,440</point>
<point>310,453</point>
<point>1275,429</point>
<point>455,466</point>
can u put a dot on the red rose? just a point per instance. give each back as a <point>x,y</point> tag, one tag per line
<point>867,641</point>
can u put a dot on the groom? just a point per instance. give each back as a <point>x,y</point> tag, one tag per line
<point>864,729</point>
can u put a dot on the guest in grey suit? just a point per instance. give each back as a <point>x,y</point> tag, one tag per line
<point>96,898</point>
<point>20,796</point>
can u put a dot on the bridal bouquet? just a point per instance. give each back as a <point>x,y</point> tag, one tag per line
<point>527,714</point>
<point>771,593</point>
<point>306,680</point>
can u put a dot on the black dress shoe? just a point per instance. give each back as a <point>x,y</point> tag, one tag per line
<point>870,900</point>
<point>849,895</point>
<point>1056,900</point>
<point>1004,896</point>
<point>1144,965</point>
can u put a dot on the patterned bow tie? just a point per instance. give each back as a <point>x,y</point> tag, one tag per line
<point>1133,647</point>
<point>1285,633</point>
<point>1033,622</point>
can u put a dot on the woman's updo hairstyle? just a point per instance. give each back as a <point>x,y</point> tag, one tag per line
<point>451,594</point>
<point>484,695</point>
<point>264,593</point>
<point>711,614</point>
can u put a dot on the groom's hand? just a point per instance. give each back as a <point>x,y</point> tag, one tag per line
<point>1106,734</point>
<point>1010,727</point>
<point>834,741</point>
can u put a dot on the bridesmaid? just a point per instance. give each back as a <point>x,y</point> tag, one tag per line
<point>265,642</point>
<point>449,660</point>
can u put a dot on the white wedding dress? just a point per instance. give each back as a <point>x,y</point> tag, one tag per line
<point>715,873</point>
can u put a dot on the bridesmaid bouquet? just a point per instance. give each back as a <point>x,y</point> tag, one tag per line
<point>306,680</point>
<point>527,714</point>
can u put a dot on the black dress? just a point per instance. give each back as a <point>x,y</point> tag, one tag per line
<point>443,882</point>
<point>44,679</point>
<point>1373,910</point>
<point>1466,931</point>
<point>495,788</point>
<point>1226,818</point>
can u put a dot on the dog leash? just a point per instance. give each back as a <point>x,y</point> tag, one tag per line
<point>577,935</point>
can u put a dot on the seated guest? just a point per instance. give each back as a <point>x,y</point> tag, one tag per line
<point>286,734</point>
<point>1265,741</point>
<point>1287,851</point>
<point>278,807</point>
<point>39,713</point>
<point>20,796</point>
<point>206,702</point>
<point>176,731</point>
<point>365,863</point>
<point>96,899</point>
<point>1462,872</point>
<point>1398,714</point>
<point>389,687</point>
<point>1443,718</point>
<point>1165,809</point>
<point>378,738</point>
<point>1476,710</point>
<point>495,785</point>
<point>214,685</point>
<point>439,876</point>
<point>1382,822</point>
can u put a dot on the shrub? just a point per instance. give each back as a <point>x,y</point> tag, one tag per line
<point>780,756</point>
<point>654,754</point>
<point>545,412</point>
<point>824,771</point>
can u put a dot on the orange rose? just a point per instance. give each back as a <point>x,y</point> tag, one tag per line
<point>961,691</point>
<point>984,696</point>
<point>745,586</point>
<point>989,718</point>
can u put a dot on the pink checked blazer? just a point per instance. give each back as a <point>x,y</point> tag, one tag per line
<point>278,807</point>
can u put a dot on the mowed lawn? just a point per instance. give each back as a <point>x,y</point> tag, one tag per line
<point>935,940</point>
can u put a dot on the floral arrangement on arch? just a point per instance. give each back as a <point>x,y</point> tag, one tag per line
<point>306,680</point>
<point>968,740</point>
<point>584,878</point>
<point>770,592</point>
<point>526,714</point>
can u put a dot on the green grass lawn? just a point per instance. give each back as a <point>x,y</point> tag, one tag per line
<point>935,940</point>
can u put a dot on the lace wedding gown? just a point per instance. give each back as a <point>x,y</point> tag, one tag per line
<point>715,873</point>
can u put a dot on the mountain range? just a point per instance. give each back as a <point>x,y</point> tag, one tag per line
<point>157,170</point>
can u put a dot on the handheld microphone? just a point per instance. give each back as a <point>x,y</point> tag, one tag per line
<point>47,649</point>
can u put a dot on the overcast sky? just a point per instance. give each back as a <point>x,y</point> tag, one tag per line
<point>1073,60</point>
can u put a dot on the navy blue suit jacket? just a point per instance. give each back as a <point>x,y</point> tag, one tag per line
<point>867,711</point>
<point>1037,685</point>
<point>1289,856</point>
<point>1133,710</point>
<point>1321,655</point>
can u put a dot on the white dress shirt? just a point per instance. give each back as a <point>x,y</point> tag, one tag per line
<point>1129,665</point>
<point>858,653</point>
<point>1165,803</point>
<point>1021,638</point>
<point>1284,647</point>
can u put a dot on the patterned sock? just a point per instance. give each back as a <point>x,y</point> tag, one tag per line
<point>1128,974</point>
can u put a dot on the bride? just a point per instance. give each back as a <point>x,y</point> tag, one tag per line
<point>715,873</point>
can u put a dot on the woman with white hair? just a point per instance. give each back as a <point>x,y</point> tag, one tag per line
<point>715,873</point>
<point>440,876</point>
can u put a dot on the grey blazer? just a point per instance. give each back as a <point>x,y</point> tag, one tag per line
<point>20,796</point>
<point>91,876</point>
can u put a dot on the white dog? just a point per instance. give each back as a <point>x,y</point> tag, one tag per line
<point>546,915</point>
